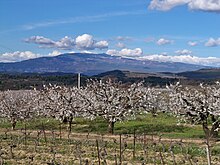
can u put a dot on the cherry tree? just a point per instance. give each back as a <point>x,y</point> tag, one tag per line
<point>60,102</point>
<point>112,101</point>
<point>153,100</point>
<point>199,105</point>
<point>18,105</point>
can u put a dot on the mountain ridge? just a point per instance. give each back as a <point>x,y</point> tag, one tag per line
<point>92,64</point>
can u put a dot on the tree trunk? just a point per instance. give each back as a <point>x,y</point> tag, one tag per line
<point>208,135</point>
<point>208,152</point>
<point>13,123</point>
<point>205,129</point>
<point>70,125</point>
<point>111,127</point>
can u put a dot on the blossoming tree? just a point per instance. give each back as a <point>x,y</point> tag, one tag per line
<point>199,105</point>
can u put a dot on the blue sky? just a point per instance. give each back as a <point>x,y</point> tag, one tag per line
<point>184,30</point>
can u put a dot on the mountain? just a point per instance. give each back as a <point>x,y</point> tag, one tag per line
<point>91,64</point>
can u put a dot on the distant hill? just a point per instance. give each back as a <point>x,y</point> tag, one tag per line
<point>29,80</point>
<point>128,74</point>
<point>212,73</point>
<point>153,79</point>
<point>92,64</point>
<point>17,81</point>
<point>208,76</point>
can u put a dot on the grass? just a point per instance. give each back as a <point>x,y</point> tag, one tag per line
<point>67,150</point>
<point>143,124</point>
<point>86,149</point>
<point>163,124</point>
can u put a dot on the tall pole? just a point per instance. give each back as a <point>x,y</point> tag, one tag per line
<point>78,80</point>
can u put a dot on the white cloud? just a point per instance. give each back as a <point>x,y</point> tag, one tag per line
<point>165,5</point>
<point>65,43</point>
<point>163,41</point>
<point>124,38</point>
<point>87,52</point>
<point>131,52</point>
<point>213,42</point>
<point>85,42</point>
<point>207,61</point>
<point>17,56</point>
<point>82,42</point>
<point>20,56</point>
<point>113,52</point>
<point>120,45</point>
<point>203,5</point>
<point>183,52</point>
<point>192,43</point>
<point>54,53</point>
<point>40,40</point>
<point>101,44</point>
<point>126,52</point>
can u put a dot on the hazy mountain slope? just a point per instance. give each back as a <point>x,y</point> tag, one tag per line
<point>91,64</point>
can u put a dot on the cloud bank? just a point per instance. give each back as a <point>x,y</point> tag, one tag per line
<point>203,5</point>
<point>184,56</point>
<point>126,52</point>
<point>163,41</point>
<point>207,61</point>
<point>82,42</point>
<point>183,52</point>
<point>20,56</point>
<point>213,42</point>
<point>17,56</point>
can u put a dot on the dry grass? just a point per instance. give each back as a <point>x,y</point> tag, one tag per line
<point>35,147</point>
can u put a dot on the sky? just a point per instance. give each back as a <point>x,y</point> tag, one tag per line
<point>162,30</point>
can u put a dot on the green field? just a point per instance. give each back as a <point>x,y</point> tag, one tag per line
<point>44,141</point>
<point>163,124</point>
